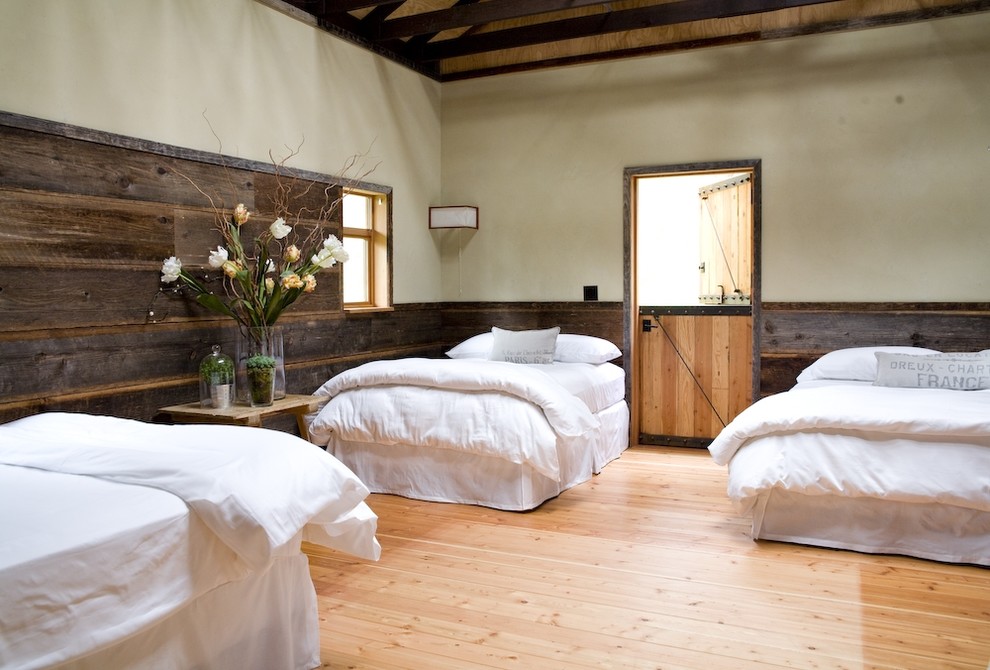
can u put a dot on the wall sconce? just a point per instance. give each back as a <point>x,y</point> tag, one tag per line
<point>461,216</point>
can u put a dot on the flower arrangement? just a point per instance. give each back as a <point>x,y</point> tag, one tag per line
<point>265,276</point>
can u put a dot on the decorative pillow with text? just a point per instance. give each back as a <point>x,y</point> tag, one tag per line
<point>524,346</point>
<point>958,372</point>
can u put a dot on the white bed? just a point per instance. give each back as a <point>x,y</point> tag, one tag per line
<point>847,460</point>
<point>133,545</point>
<point>469,429</point>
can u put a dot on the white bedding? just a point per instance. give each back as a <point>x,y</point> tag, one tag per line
<point>833,453</point>
<point>497,415</point>
<point>112,527</point>
<point>454,404</point>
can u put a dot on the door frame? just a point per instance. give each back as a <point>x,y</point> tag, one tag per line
<point>630,302</point>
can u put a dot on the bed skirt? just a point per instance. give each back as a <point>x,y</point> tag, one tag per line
<point>267,620</point>
<point>444,475</point>
<point>933,531</point>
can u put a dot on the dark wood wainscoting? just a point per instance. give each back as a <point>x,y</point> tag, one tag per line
<point>85,326</point>
<point>795,334</point>
<point>461,320</point>
<point>84,323</point>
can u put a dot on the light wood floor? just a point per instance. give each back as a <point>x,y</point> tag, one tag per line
<point>646,566</point>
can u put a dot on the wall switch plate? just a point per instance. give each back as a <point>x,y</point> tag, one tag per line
<point>591,293</point>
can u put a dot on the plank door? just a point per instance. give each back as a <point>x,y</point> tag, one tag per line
<point>696,363</point>
<point>696,372</point>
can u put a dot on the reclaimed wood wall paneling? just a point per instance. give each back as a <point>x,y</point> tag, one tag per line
<point>795,334</point>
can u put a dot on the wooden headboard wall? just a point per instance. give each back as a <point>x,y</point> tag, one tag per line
<point>86,218</point>
<point>793,335</point>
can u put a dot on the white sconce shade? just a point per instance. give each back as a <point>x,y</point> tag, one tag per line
<point>461,216</point>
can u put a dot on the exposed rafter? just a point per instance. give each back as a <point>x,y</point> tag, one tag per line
<point>458,39</point>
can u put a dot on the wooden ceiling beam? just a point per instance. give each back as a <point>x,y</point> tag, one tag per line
<point>654,16</point>
<point>340,6</point>
<point>462,15</point>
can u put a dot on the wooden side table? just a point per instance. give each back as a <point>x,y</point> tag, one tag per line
<point>245,415</point>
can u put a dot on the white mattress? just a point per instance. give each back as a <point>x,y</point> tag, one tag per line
<point>133,545</point>
<point>90,561</point>
<point>598,386</point>
<point>873,469</point>
<point>445,475</point>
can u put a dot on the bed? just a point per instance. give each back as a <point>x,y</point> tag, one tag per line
<point>876,449</point>
<point>134,545</point>
<point>509,420</point>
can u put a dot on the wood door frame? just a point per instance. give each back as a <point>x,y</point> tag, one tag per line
<point>630,303</point>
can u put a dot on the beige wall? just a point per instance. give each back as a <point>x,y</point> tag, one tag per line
<point>874,149</point>
<point>874,144</point>
<point>150,68</point>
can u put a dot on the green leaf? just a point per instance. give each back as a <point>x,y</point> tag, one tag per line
<point>212,302</point>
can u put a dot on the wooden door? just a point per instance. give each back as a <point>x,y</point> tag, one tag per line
<point>696,372</point>
<point>695,364</point>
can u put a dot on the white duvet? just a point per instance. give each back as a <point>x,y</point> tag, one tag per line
<point>454,404</point>
<point>256,489</point>
<point>112,526</point>
<point>859,440</point>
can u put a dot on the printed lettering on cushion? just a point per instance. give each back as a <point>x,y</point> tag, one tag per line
<point>960,372</point>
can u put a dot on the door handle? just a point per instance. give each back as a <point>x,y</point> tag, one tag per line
<point>647,325</point>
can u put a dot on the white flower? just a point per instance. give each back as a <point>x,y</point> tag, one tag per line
<point>324,259</point>
<point>335,249</point>
<point>218,257</point>
<point>340,253</point>
<point>269,266</point>
<point>279,229</point>
<point>171,267</point>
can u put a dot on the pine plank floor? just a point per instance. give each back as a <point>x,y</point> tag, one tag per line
<point>645,566</point>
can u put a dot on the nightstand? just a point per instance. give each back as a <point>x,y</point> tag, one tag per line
<point>245,415</point>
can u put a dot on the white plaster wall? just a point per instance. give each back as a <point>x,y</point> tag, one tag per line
<point>874,147</point>
<point>151,68</point>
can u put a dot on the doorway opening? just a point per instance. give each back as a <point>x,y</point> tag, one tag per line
<point>692,297</point>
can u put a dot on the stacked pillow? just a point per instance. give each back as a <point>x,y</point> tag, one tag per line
<point>536,346</point>
<point>903,367</point>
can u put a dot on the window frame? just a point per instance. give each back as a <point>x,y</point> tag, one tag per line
<point>379,238</point>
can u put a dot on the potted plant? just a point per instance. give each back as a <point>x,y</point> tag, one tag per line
<point>261,380</point>
<point>216,380</point>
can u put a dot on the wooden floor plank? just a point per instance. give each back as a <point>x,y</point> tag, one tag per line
<point>645,566</point>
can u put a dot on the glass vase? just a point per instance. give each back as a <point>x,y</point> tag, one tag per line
<point>216,380</point>
<point>264,341</point>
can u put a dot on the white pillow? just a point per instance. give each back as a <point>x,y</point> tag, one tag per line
<point>524,346</point>
<point>958,372</point>
<point>855,364</point>
<point>584,349</point>
<point>570,348</point>
<point>479,346</point>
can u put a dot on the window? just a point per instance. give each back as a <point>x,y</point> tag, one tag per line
<point>366,230</point>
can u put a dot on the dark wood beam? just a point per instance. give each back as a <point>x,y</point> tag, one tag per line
<point>338,6</point>
<point>461,15</point>
<point>600,24</point>
<point>371,23</point>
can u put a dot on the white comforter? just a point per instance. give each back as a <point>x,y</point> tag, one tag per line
<point>454,404</point>
<point>910,445</point>
<point>110,526</point>
<point>255,489</point>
